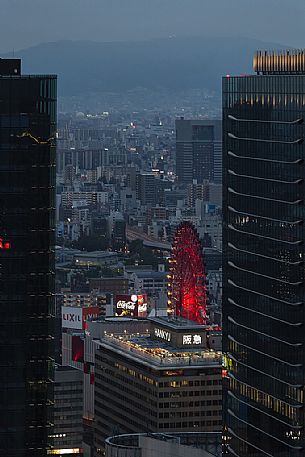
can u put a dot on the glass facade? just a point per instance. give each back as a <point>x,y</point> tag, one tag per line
<point>264,232</point>
<point>27,212</point>
<point>195,142</point>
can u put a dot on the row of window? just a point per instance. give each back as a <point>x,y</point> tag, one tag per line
<point>186,383</point>
<point>217,412</point>
<point>194,424</point>
<point>121,387</point>
<point>119,411</point>
<point>264,399</point>
<point>192,393</point>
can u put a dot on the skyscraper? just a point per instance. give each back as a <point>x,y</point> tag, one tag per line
<point>198,150</point>
<point>264,232</point>
<point>27,179</point>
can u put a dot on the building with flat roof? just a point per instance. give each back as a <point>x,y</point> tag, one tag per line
<point>98,258</point>
<point>198,150</point>
<point>68,412</point>
<point>165,379</point>
<point>164,445</point>
<point>114,285</point>
<point>78,350</point>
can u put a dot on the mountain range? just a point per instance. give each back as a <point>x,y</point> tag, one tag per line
<point>173,64</point>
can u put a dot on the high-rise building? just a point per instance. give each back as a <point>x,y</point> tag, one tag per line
<point>147,188</point>
<point>197,192</point>
<point>264,231</point>
<point>198,151</point>
<point>27,219</point>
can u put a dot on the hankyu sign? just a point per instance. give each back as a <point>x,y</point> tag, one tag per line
<point>184,338</point>
<point>75,317</point>
<point>191,340</point>
<point>163,334</point>
<point>131,305</point>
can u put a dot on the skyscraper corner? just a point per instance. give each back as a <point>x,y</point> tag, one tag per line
<point>27,274</point>
<point>263,299</point>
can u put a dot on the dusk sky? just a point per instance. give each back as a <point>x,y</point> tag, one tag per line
<point>25,23</point>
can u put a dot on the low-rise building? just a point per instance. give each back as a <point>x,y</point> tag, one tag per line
<point>96,258</point>
<point>67,435</point>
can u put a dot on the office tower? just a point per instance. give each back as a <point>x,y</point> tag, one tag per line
<point>165,380</point>
<point>198,151</point>
<point>147,189</point>
<point>264,252</point>
<point>68,412</point>
<point>197,192</point>
<point>27,213</point>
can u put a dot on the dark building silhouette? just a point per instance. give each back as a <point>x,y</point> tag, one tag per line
<point>27,213</point>
<point>147,189</point>
<point>198,151</point>
<point>264,232</point>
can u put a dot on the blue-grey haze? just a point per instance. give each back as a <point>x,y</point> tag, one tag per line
<point>25,23</point>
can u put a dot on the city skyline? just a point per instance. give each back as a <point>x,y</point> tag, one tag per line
<point>152,228</point>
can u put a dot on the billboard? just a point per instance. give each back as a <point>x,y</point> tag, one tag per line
<point>71,317</point>
<point>92,312</point>
<point>131,305</point>
<point>74,317</point>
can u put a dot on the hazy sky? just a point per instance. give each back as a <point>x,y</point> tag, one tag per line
<point>29,22</point>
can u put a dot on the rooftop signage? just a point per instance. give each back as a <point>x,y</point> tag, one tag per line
<point>131,305</point>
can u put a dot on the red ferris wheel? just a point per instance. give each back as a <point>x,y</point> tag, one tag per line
<point>187,296</point>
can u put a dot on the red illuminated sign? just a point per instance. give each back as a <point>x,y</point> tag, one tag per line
<point>77,349</point>
<point>4,244</point>
<point>92,312</point>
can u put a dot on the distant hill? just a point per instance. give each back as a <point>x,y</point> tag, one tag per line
<point>174,63</point>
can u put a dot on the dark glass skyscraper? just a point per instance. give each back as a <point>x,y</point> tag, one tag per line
<point>27,180</point>
<point>264,234</point>
<point>198,150</point>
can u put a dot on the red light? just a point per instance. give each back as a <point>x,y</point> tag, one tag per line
<point>77,349</point>
<point>228,76</point>
<point>224,373</point>
<point>187,290</point>
<point>4,244</point>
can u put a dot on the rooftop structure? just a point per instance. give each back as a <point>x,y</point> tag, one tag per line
<point>164,379</point>
<point>160,354</point>
<point>277,62</point>
<point>164,445</point>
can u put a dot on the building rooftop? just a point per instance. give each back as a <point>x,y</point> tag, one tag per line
<point>160,354</point>
<point>291,61</point>
<point>98,254</point>
<point>177,322</point>
<point>151,274</point>
<point>209,442</point>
